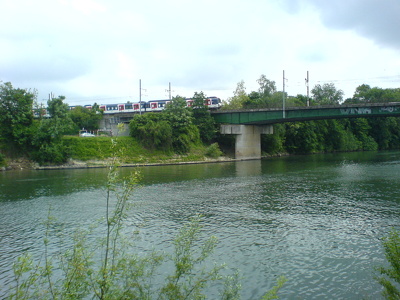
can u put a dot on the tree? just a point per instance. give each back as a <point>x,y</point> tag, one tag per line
<point>327,94</point>
<point>178,113</point>
<point>47,139</point>
<point>264,97</point>
<point>152,130</point>
<point>202,118</point>
<point>267,87</point>
<point>86,118</point>
<point>173,128</point>
<point>239,97</point>
<point>180,117</point>
<point>16,116</point>
<point>361,94</point>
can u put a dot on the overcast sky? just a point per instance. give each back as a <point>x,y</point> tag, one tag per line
<point>97,50</point>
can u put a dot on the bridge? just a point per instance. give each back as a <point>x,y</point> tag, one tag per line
<point>247,125</point>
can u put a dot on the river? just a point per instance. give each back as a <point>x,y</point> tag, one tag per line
<point>317,219</point>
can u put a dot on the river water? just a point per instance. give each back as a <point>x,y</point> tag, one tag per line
<point>318,219</point>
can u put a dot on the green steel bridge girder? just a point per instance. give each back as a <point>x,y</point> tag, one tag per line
<point>272,116</point>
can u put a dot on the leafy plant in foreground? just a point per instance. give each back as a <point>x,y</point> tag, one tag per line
<point>391,275</point>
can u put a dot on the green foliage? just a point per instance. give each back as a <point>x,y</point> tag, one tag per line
<point>171,130</point>
<point>2,159</point>
<point>365,94</point>
<point>153,131</point>
<point>327,94</point>
<point>273,293</point>
<point>239,97</point>
<point>213,151</point>
<point>51,153</point>
<point>301,137</point>
<point>15,115</point>
<point>390,279</point>
<point>85,118</point>
<point>358,134</point>
<point>274,143</point>
<point>202,118</point>
<point>190,277</point>
<point>178,114</point>
<point>361,128</point>
<point>267,87</point>
<point>48,133</point>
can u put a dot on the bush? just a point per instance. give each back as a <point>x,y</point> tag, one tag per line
<point>55,153</point>
<point>213,151</point>
<point>391,275</point>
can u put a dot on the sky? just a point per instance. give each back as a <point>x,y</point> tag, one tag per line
<point>98,51</point>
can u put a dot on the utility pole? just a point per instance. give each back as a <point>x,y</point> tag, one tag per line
<point>308,89</point>
<point>283,97</point>
<point>169,91</point>
<point>140,96</point>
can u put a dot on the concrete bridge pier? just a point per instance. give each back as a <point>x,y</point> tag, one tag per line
<point>248,139</point>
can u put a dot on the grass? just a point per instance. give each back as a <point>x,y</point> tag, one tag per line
<point>98,148</point>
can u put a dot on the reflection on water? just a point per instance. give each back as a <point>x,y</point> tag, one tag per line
<point>316,219</point>
<point>248,168</point>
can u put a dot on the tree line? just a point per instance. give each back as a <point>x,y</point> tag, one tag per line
<point>178,128</point>
<point>359,134</point>
<point>30,129</point>
<point>25,128</point>
<point>267,96</point>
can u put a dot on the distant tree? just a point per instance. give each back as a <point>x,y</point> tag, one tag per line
<point>267,87</point>
<point>86,118</point>
<point>327,94</point>
<point>298,100</point>
<point>253,101</point>
<point>199,101</point>
<point>178,113</point>
<point>180,117</point>
<point>276,100</point>
<point>202,118</point>
<point>266,96</point>
<point>16,116</point>
<point>365,94</point>
<point>152,130</point>
<point>239,97</point>
<point>362,94</point>
<point>47,139</point>
<point>172,129</point>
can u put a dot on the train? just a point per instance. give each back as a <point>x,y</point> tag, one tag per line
<point>211,103</point>
<point>154,105</point>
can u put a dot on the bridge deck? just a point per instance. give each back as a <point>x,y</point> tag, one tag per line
<point>271,116</point>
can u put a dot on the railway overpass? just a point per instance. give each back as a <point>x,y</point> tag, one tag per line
<point>247,125</point>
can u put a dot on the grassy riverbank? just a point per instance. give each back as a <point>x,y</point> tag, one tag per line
<point>97,151</point>
<point>132,152</point>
